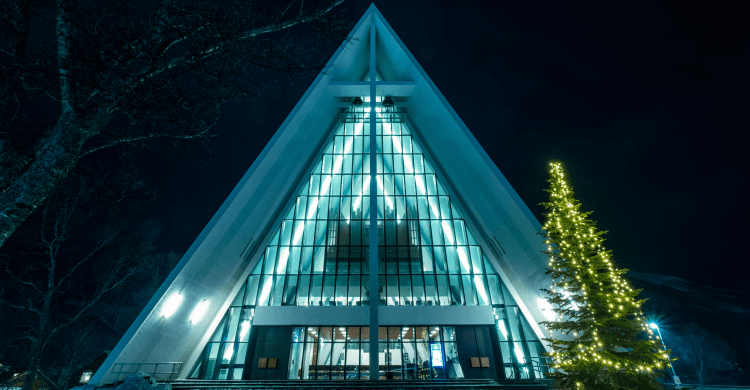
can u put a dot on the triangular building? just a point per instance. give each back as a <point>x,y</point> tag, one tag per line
<point>373,237</point>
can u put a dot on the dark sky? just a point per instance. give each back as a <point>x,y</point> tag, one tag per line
<point>646,102</point>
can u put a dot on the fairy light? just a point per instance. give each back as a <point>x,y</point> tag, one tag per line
<point>589,290</point>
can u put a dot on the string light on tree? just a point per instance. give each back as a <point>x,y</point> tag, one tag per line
<point>602,337</point>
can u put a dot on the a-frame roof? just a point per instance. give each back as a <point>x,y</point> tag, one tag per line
<point>227,249</point>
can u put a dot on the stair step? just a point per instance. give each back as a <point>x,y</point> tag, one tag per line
<point>461,384</point>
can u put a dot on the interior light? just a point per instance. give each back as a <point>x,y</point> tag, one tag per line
<point>199,312</point>
<point>228,352</point>
<point>171,305</point>
<point>245,328</point>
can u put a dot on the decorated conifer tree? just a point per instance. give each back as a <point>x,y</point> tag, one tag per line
<point>600,339</point>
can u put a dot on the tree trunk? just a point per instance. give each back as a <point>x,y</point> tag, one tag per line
<point>59,153</point>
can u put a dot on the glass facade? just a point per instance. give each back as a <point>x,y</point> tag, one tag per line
<point>521,350</point>
<point>406,352</point>
<point>224,355</point>
<point>426,255</point>
<point>318,256</point>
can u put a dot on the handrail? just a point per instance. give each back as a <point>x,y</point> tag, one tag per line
<point>126,368</point>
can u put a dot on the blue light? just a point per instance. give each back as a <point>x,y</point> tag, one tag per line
<point>437,355</point>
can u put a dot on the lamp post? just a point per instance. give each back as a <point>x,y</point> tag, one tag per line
<point>675,378</point>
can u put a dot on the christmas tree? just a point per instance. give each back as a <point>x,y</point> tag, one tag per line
<point>601,339</point>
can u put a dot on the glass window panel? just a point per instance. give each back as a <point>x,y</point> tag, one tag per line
<point>443,290</point>
<point>393,295</point>
<point>453,366</point>
<point>303,291</point>
<point>252,289</point>
<point>240,296</point>
<point>366,290</point>
<point>390,232</point>
<point>513,322</point>
<point>309,236</point>
<point>459,229</point>
<point>295,361</point>
<point>313,332</point>
<point>283,263</point>
<point>259,266</point>
<point>314,184</point>
<point>411,207</point>
<point>476,259</point>
<point>440,260</point>
<point>424,232</point>
<point>405,297</point>
<point>457,296</point>
<point>431,189</point>
<point>352,361</point>
<point>316,290</point>
<point>431,294</point>
<point>424,212</point>
<point>354,290</point>
<point>320,233</point>
<point>329,284</point>
<point>306,260</point>
<point>265,290</point>
<point>437,233</point>
<point>290,292</point>
<point>445,207</point>
<point>234,319</point>
<point>494,283</point>
<point>427,264</point>
<point>319,259</point>
<point>483,295</point>
<point>309,360</point>
<point>294,260</point>
<point>507,296</point>
<point>423,359</point>
<point>270,260</point>
<point>452,260</point>
<point>469,292</point>
<point>463,259</point>
<point>418,165</point>
<point>432,202</point>
<point>418,290</point>
<point>286,232</point>
<point>240,358</point>
<point>278,291</point>
<point>341,290</point>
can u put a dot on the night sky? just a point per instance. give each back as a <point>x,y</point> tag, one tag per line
<point>646,102</point>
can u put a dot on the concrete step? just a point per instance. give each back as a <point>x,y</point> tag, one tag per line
<point>459,384</point>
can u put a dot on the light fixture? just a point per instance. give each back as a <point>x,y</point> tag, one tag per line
<point>86,377</point>
<point>653,326</point>
<point>171,305</point>
<point>388,102</point>
<point>357,101</point>
<point>199,312</point>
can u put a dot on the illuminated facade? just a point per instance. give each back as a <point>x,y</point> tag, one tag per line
<point>372,221</point>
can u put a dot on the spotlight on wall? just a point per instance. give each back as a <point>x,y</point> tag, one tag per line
<point>199,312</point>
<point>171,305</point>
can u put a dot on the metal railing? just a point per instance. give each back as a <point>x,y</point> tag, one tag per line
<point>160,371</point>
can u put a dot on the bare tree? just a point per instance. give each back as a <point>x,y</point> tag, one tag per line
<point>706,354</point>
<point>60,269</point>
<point>78,76</point>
